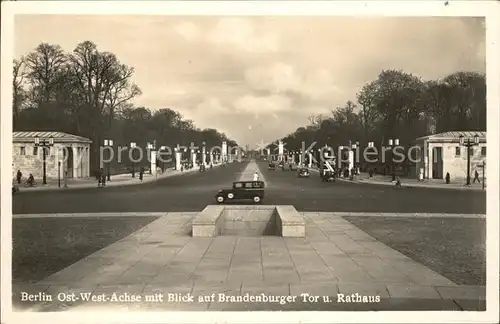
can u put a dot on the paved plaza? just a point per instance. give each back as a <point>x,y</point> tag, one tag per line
<point>334,258</point>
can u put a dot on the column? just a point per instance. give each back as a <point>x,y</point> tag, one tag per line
<point>204,156</point>
<point>153,162</point>
<point>178,157</point>
<point>75,161</point>
<point>195,162</point>
<point>429,160</point>
<point>351,160</point>
<point>280,150</point>
<point>224,151</point>
<point>310,159</point>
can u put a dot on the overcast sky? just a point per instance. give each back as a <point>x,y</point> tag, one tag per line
<point>259,78</point>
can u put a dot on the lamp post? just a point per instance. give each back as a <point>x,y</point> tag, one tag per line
<point>109,143</point>
<point>59,174</point>
<point>468,142</point>
<point>370,145</point>
<point>162,148</point>
<point>354,147</point>
<point>133,145</point>
<point>44,144</point>
<point>151,147</point>
<point>393,143</point>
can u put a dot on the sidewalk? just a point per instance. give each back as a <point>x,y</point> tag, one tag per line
<point>411,183</point>
<point>116,180</point>
<point>335,258</point>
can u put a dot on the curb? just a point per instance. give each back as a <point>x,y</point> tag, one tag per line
<point>109,184</point>
<point>407,185</point>
<point>334,214</point>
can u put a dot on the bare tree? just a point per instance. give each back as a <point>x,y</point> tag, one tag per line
<point>19,73</point>
<point>44,64</point>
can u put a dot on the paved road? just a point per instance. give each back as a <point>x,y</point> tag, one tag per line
<point>192,192</point>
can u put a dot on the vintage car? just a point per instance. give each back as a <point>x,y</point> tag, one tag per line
<point>328,176</point>
<point>242,190</point>
<point>272,166</point>
<point>303,172</point>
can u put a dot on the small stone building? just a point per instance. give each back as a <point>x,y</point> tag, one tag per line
<point>71,150</point>
<point>440,153</point>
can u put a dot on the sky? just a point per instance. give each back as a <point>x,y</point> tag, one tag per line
<point>259,78</point>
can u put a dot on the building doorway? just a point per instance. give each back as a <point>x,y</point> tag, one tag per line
<point>437,163</point>
<point>69,161</point>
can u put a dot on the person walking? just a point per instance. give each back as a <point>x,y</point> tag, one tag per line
<point>98,176</point>
<point>476,177</point>
<point>256,176</point>
<point>141,173</point>
<point>447,178</point>
<point>103,177</point>
<point>19,176</point>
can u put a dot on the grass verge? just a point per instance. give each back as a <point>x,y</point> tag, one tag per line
<point>452,247</point>
<point>43,246</point>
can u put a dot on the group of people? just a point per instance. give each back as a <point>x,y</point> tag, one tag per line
<point>30,182</point>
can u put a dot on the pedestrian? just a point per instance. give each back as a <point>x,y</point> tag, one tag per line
<point>256,176</point>
<point>141,173</point>
<point>398,182</point>
<point>19,176</point>
<point>99,178</point>
<point>103,177</point>
<point>476,177</point>
<point>182,167</point>
<point>447,178</point>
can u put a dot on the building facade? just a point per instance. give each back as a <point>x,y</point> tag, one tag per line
<point>69,153</point>
<point>442,153</point>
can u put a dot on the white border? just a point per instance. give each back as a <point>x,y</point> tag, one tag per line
<point>490,10</point>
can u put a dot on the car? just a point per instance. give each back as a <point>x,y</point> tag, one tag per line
<point>242,190</point>
<point>272,166</point>
<point>303,172</point>
<point>328,176</point>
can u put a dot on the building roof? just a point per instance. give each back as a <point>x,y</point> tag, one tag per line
<point>59,137</point>
<point>451,136</point>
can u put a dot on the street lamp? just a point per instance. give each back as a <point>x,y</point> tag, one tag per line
<point>109,143</point>
<point>133,145</point>
<point>44,144</point>
<point>468,142</point>
<point>162,148</point>
<point>151,147</point>
<point>393,143</point>
<point>354,147</point>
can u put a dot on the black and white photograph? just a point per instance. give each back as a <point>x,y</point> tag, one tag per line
<point>250,165</point>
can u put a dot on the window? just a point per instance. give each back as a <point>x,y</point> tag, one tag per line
<point>238,185</point>
<point>457,151</point>
<point>22,150</point>
<point>35,151</point>
<point>483,151</point>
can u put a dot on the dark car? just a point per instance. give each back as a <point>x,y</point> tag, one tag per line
<point>303,172</point>
<point>242,190</point>
<point>272,166</point>
<point>328,176</point>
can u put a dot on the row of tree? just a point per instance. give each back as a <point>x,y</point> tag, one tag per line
<point>88,93</point>
<point>403,106</point>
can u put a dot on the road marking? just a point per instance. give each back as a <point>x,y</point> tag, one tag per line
<point>247,174</point>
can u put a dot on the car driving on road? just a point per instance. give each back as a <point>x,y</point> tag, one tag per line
<point>242,190</point>
<point>303,173</point>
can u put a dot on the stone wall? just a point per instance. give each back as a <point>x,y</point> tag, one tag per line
<point>28,159</point>
<point>456,165</point>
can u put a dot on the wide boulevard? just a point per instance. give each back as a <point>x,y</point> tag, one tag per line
<point>194,191</point>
